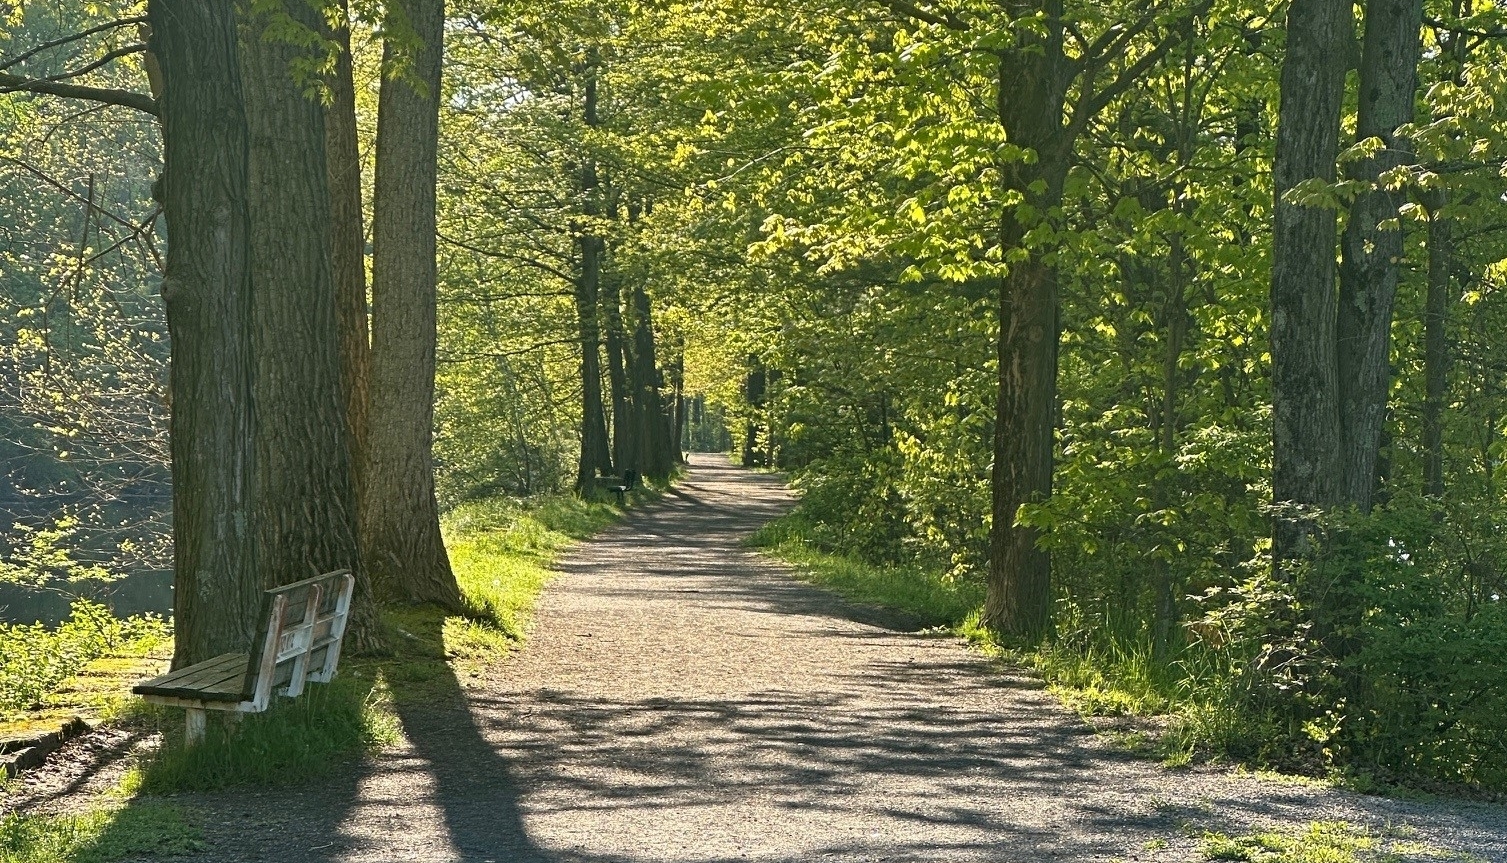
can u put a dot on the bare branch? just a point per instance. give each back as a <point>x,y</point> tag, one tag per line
<point>1437,24</point>
<point>123,22</point>
<point>123,98</point>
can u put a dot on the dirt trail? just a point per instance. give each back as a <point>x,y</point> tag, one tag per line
<point>682,698</point>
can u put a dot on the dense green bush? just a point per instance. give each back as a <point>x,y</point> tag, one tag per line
<point>35,660</point>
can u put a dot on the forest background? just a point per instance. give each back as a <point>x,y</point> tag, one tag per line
<point>1003,287</point>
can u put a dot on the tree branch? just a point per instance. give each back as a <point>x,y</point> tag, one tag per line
<point>123,98</point>
<point>1093,102</point>
<point>1464,31</point>
<point>124,22</point>
<point>908,10</point>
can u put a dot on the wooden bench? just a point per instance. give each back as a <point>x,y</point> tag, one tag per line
<point>630,480</point>
<point>298,641</point>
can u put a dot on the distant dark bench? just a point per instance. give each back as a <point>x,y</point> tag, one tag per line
<point>630,481</point>
<point>298,640</point>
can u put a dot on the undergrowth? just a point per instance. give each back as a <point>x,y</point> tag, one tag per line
<point>36,661</point>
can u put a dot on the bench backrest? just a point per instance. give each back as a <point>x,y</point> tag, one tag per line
<point>302,625</point>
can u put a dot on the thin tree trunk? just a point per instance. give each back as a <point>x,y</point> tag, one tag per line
<point>306,498</point>
<point>594,445</point>
<point>405,552</point>
<point>1033,84</point>
<point>1436,351</point>
<point>1372,247</point>
<point>595,455</point>
<point>623,454</point>
<point>348,248</point>
<point>753,393</point>
<point>680,406</point>
<point>1306,459</point>
<point>207,291</point>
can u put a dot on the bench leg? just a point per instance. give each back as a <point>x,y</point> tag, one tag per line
<point>622,497</point>
<point>193,733</point>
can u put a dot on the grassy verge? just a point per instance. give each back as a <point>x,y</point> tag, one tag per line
<point>84,667</point>
<point>119,828</point>
<point>1322,842</point>
<point>925,594</point>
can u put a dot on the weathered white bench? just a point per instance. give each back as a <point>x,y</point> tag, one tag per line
<point>298,641</point>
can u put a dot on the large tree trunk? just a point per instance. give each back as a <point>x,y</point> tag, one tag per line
<point>1436,351</point>
<point>652,426</point>
<point>306,501</point>
<point>595,455</point>
<point>404,551</point>
<point>1033,84</point>
<point>1372,247</point>
<point>1306,460</point>
<point>207,291</point>
<point>594,447</point>
<point>348,248</point>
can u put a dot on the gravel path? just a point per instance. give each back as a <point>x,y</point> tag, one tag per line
<point>682,698</point>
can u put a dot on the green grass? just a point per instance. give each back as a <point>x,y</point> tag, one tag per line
<point>115,832</point>
<point>1321,842</point>
<point>929,596</point>
<point>83,667</point>
<point>295,739</point>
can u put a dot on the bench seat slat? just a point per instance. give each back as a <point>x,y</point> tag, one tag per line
<point>217,679</point>
<point>224,660</point>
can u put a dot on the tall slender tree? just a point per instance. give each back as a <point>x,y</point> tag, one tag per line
<point>595,454</point>
<point>1306,461</point>
<point>1372,249</point>
<point>402,545</point>
<point>348,251</point>
<point>1036,79</point>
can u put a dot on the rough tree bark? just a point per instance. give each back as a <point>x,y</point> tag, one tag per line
<point>1372,248</point>
<point>1033,85</point>
<point>207,291</point>
<point>306,515</point>
<point>1306,459</point>
<point>652,424</point>
<point>595,456</point>
<point>403,549</point>
<point>348,248</point>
